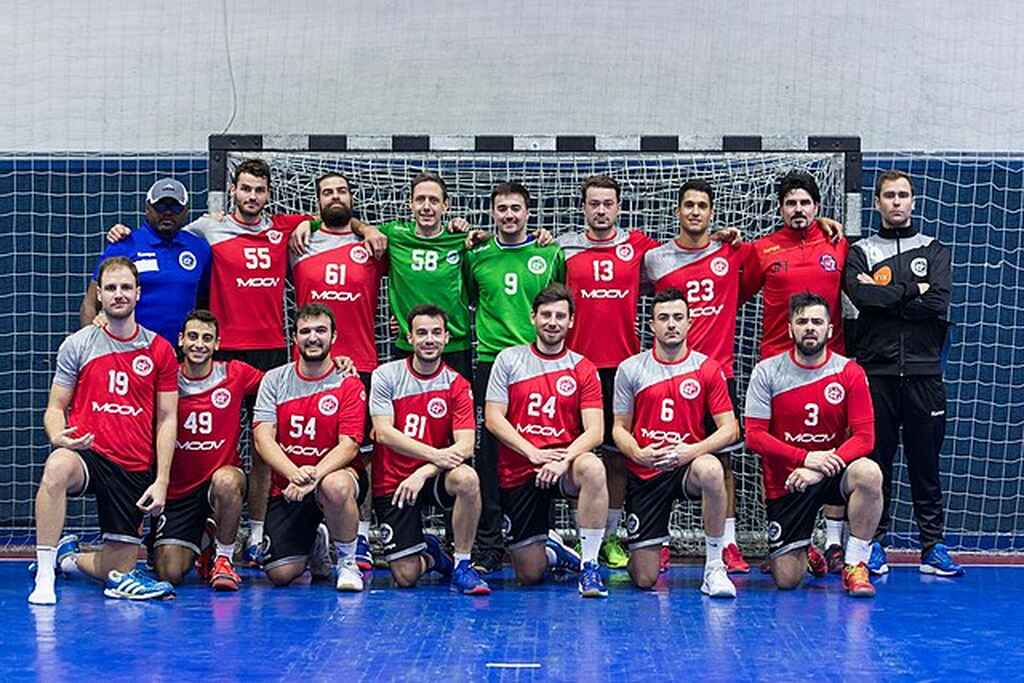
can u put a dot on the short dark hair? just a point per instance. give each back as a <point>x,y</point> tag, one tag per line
<point>802,300</point>
<point>426,177</point>
<point>667,295</point>
<point>799,180</point>
<point>603,181</point>
<point>332,174</point>
<point>511,187</point>
<point>697,185</point>
<point>429,310</point>
<point>254,167</point>
<point>117,262</point>
<point>307,311</point>
<point>554,293</point>
<point>204,316</point>
<point>889,176</point>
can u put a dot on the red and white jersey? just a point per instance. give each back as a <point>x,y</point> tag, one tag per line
<point>669,401</point>
<point>793,409</point>
<point>710,279</point>
<point>604,276</point>
<point>545,396</point>
<point>115,384</point>
<point>209,410</point>
<point>790,261</point>
<point>247,278</point>
<point>427,408</point>
<point>339,271</point>
<point>311,414</point>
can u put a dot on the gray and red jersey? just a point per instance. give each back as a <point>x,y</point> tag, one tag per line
<point>311,414</point>
<point>339,271</point>
<point>209,410</point>
<point>427,408</point>
<point>115,383</point>
<point>247,278</point>
<point>793,409</point>
<point>544,396</point>
<point>710,278</point>
<point>604,276</point>
<point>669,401</point>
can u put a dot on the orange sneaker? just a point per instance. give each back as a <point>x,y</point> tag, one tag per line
<point>733,559</point>
<point>816,563</point>
<point>664,559</point>
<point>223,577</point>
<point>857,581</point>
<point>204,560</point>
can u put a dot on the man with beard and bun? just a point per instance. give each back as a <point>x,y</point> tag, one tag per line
<point>112,405</point>
<point>900,281</point>
<point>662,400</point>
<point>308,423</point>
<point>544,408</point>
<point>425,428</point>
<point>810,419</point>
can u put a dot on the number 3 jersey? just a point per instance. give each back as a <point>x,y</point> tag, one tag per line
<point>793,409</point>
<point>544,396</point>
<point>209,413</point>
<point>115,384</point>
<point>427,408</point>
<point>668,401</point>
<point>311,414</point>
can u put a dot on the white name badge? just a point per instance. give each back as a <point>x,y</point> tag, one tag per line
<point>147,265</point>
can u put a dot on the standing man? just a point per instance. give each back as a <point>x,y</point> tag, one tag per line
<point>113,404</point>
<point>662,400</point>
<point>544,408</point>
<point>900,281</point>
<point>809,417</point>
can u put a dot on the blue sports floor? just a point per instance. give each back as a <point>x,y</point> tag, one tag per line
<point>918,628</point>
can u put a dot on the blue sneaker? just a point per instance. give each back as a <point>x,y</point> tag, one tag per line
<point>937,561</point>
<point>136,585</point>
<point>465,580</point>
<point>590,584</point>
<point>364,556</point>
<point>66,547</point>
<point>254,555</point>
<point>877,562</point>
<point>443,563</point>
<point>561,558</point>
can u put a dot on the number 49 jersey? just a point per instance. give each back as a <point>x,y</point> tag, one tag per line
<point>429,409</point>
<point>669,401</point>
<point>311,414</point>
<point>545,396</point>
<point>209,410</point>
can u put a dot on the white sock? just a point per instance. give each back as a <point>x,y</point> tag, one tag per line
<point>713,547</point>
<point>225,549</point>
<point>364,529</point>
<point>833,532</point>
<point>729,535</point>
<point>614,519</point>
<point>459,557</point>
<point>345,550</point>
<point>590,544</point>
<point>255,532</point>
<point>46,560</point>
<point>857,550</point>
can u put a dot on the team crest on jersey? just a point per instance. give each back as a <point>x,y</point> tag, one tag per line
<point>828,263</point>
<point>187,260</point>
<point>774,532</point>
<point>359,254</point>
<point>624,252</point>
<point>437,407</point>
<point>719,266</point>
<point>327,405</point>
<point>274,236</point>
<point>632,524</point>
<point>835,393</point>
<point>452,257</point>
<point>537,265</point>
<point>142,365</point>
<point>919,266</point>
<point>221,398</point>
<point>387,534</point>
<point>565,386</point>
<point>689,388</point>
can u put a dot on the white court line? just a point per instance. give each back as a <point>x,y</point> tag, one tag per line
<point>512,665</point>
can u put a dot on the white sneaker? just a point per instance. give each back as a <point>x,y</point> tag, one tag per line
<point>43,595</point>
<point>350,579</point>
<point>716,582</point>
<point>320,555</point>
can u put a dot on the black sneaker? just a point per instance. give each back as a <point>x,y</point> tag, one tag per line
<point>488,562</point>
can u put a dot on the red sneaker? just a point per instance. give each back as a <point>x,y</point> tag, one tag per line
<point>816,563</point>
<point>665,559</point>
<point>224,577</point>
<point>857,581</point>
<point>733,559</point>
<point>204,560</point>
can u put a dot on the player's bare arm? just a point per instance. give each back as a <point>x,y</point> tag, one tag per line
<point>339,457</point>
<point>153,498</point>
<point>388,435</point>
<point>826,462</point>
<point>622,435</point>
<point>55,421</point>
<point>800,478</point>
<point>410,487</point>
<point>265,439</point>
<point>498,424</point>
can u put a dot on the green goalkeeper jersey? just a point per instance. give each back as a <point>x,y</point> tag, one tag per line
<point>504,280</point>
<point>427,270</point>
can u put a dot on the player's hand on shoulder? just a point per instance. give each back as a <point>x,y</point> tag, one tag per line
<point>731,236</point>
<point>118,232</point>
<point>459,225</point>
<point>476,237</point>
<point>544,237</point>
<point>66,439</point>
<point>345,366</point>
<point>833,229</point>
<point>298,243</point>
<point>100,320</point>
<point>375,240</point>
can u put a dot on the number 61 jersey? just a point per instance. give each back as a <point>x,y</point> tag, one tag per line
<point>311,414</point>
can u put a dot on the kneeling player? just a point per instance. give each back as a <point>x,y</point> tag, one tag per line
<point>662,398</point>
<point>811,397</point>
<point>544,407</point>
<point>206,476</point>
<point>421,461</point>
<point>309,421</point>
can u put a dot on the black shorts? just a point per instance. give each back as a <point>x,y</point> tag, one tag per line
<point>117,491</point>
<point>709,421</point>
<point>401,529</point>
<point>526,512</point>
<point>649,505</point>
<point>184,519</point>
<point>791,518</point>
<point>291,527</point>
<point>607,377</point>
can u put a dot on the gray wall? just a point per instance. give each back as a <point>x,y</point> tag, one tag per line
<point>144,75</point>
